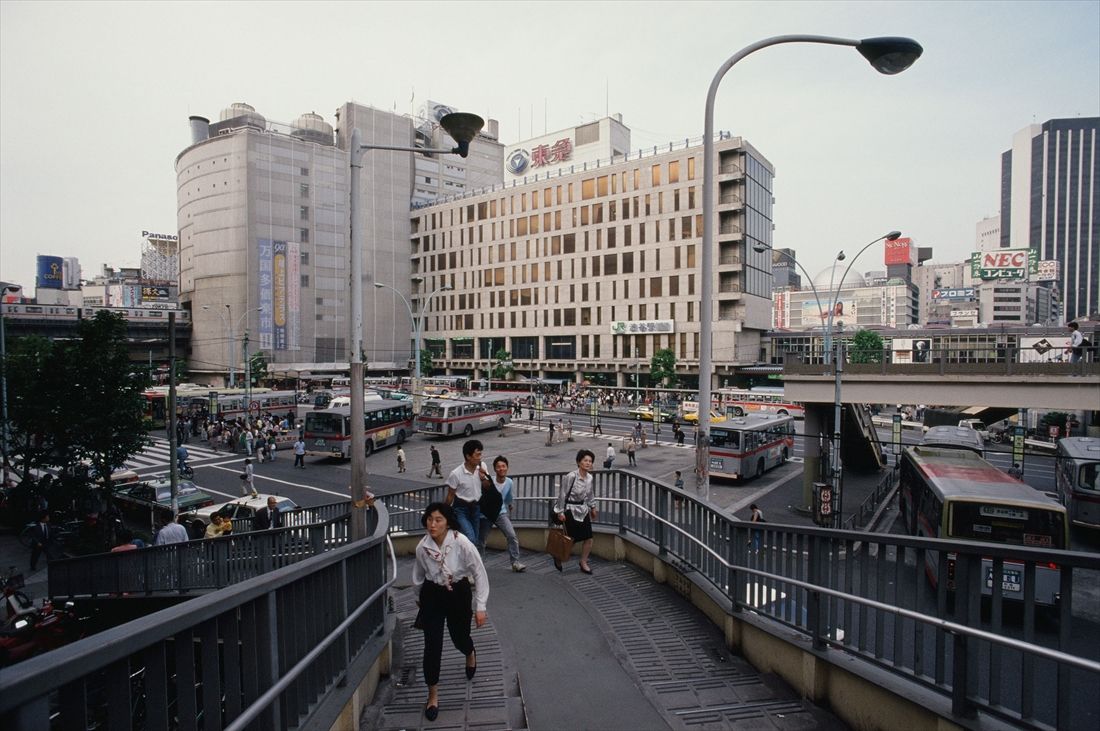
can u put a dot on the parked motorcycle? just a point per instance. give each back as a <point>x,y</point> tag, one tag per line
<point>40,630</point>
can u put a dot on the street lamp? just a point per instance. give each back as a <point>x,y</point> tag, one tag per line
<point>888,56</point>
<point>892,236</point>
<point>418,330</point>
<point>463,128</point>
<point>7,289</point>
<point>230,340</point>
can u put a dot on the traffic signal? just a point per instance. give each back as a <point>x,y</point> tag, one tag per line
<point>823,504</point>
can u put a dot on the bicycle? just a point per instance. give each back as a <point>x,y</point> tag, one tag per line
<point>186,471</point>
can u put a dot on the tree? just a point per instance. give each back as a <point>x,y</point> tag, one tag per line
<point>866,347</point>
<point>38,406</point>
<point>662,366</point>
<point>257,364</point>
<point>107,425</point>
<point>427,362</point>
<point>502,368</point>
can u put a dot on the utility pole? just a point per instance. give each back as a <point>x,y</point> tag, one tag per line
<point>247,375</point>
<point>173,472</point>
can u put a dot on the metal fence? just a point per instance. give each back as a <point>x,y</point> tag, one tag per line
<point>284,650</point>
<point>1004,360</point>
<point>865,594</point>
<point>201,565</point>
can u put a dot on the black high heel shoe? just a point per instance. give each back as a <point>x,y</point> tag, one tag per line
<point>557,564</point>
<point>431,712</point>
<point>471,669</point>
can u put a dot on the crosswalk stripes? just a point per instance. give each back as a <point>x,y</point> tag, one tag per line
<point>159,454</point>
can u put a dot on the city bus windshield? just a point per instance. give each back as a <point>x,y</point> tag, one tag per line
<point>325,424</point>
<point>725,438</point>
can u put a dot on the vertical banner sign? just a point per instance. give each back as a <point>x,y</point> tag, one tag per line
<point>278,286</point>
<point>896,435</point>
<point>293,296</point>
<point>267,295</point>
<point>1018,445</point>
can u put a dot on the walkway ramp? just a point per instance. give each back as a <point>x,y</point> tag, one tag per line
<point>614,650</point>
<point>860,449</point>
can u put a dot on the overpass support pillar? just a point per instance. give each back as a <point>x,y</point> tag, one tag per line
<point>814,429</point>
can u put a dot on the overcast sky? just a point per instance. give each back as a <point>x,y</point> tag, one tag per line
<point>94,99</point>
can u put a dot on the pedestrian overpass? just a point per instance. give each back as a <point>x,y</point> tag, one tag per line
<point>842,616</point>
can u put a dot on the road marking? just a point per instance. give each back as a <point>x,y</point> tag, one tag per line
<point>274,479</point>
<point>757,494</point>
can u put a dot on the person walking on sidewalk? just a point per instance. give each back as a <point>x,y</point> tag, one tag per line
<point>437,464</point>
<point>630,456</point>
<point>756,516</point>
<point>248,487</point>
<point>452,587</point>
<point>550,434</point>
<point>609,462</point>
<point>300,453</point>
<point>576,507</point>
<point>400,459</point>
<point>503,484</point>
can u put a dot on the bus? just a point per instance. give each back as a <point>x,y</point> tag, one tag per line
<point>955,495</point>
<point>220,403</point>
<point>1077,475</point>
<point>438,385</point>
<point>446,417</point>
<point>741,401</point>
<point>954,437</point>
<point>749,446</point>
<point>530,385</point>
<point>328,431</point>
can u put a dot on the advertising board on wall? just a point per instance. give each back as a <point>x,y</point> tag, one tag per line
<point>1004,264</point>
<point>632,327</point>
<point>279,294</point>
<point>900,251</point>
<point>954,295</point>
<point>1048,270</point>
<point>49,272</point>
<point>911,350</point>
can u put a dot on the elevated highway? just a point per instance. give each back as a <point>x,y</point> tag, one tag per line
<point>1052,386</point>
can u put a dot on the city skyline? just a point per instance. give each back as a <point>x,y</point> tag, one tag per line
<point>855,153</point>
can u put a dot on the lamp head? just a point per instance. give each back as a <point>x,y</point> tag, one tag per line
<point>893,236</point>
<point>760,248</point>
<point>206,307</point>
<point>446,288</point>
<point>841,256</point>
<point>13,288</point>
<point>890,55</point>
<point>417,279</point>
<point>463,128</point>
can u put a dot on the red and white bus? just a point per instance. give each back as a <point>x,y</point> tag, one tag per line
<point>465,415</point>
<point>750,445</point>
<point>328,431</point>
<point>740,401</point>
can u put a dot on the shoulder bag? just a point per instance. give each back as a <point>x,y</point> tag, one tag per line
<point>553,514</point>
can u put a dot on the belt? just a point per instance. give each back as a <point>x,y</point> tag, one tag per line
<point>465,502</point>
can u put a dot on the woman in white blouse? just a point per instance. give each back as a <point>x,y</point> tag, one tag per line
<point>576,506</point>
<point>449,577</point>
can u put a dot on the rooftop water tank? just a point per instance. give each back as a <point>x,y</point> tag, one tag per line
<point>243,115</point>
<point>311,127</point>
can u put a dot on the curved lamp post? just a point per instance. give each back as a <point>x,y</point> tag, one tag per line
<point>418,330</point>
<point>463,128</point>
<point>888,56</point>
<point>230,328</point>
<point>892,236</point>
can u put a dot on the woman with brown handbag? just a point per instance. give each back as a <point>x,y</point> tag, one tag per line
<point>576,506</point>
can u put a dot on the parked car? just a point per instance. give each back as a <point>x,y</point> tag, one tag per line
<point>148,503</point>
<point>646,412</point>
<point>240,509</point>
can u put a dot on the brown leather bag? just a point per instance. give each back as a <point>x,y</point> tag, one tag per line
<point>558,544</point>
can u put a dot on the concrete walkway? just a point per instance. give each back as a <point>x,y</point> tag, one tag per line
<point>569,651</point>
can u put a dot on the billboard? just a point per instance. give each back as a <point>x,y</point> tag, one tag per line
<point>1048,270</point>
<point>812,315</point>
<point>1004,264</point>
<point>911,350</point>
<point>1041,350</point>
<point>49,272</point>
<point>279,295</point>
<point>900,251</point>
<point>954,295</point>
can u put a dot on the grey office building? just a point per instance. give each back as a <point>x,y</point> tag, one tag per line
<point>1050,202</point>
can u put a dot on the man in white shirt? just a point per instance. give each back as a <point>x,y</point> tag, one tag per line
<point>1076,341</point>
<point>172,532</point>
<point>610,461</point>
<point>464,489</point>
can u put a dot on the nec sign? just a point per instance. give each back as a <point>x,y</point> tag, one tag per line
<point>1004,264</point>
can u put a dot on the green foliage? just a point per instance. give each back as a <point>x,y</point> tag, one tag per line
<point>181,370</point>
<point>662,366</point>
<point>37,402</point>
<point>107,424</point>
<point>427,362</point>
<point>502,367</point>
<point>866,347</point>
<point>257,367</point>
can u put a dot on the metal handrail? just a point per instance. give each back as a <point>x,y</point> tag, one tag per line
<point>272,694</point>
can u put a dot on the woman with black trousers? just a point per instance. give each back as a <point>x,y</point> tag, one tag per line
<point>449,578</point>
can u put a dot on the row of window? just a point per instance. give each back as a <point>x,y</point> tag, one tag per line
<point>594,187</point>
<point>564,347</point>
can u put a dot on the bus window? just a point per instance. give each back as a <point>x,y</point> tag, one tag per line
<point>1009,524</point>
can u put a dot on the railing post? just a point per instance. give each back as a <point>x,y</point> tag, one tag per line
<point>813,611</point>
<point>221,563</point>
<point>621,482</point>
<point>662,514</point>
<point>268,661</point>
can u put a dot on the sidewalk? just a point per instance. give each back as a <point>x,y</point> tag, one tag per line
<point>569,651</point>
